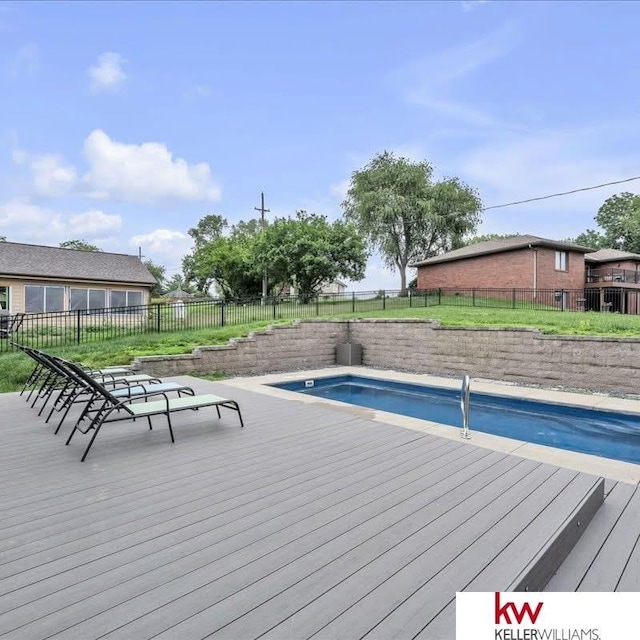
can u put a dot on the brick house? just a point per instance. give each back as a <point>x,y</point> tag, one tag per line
<point>36,279</point>
<point>555,273</point>
<point>520,261</point>
<point>613,279</point>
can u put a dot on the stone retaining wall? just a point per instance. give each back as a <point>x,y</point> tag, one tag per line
<point>300,345</point>
<point>518,355</point>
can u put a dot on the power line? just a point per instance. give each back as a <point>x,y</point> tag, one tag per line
<point>563,193</point>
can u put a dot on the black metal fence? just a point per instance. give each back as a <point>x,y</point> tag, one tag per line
<point>76,327</point>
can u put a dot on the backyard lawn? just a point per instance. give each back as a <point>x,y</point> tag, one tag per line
<point>14,367</point>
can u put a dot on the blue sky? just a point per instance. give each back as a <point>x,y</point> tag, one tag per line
<point>124,123</point>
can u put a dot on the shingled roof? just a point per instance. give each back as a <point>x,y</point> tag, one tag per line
<point>610,255</point>
<point>71,264</point>
<point>499,246</point>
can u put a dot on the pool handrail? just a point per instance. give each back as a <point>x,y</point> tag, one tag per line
<point>465,397</point>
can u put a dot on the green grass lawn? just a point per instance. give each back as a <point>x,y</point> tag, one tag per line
<point>14,368</point>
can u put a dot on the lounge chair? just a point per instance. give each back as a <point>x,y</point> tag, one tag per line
<point>10,323</point>
<point>40,370</point>
<point>115,409</point>
<point>52,379</point>
<point>77,391</point>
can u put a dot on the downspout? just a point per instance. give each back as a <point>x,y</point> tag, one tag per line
<point>535,272</point>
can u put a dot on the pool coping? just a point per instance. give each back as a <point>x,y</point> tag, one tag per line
<point>605,467</point>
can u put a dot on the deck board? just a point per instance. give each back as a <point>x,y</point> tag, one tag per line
<point>309,520</point>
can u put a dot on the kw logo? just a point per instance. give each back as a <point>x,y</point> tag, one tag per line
<point>508,608</point>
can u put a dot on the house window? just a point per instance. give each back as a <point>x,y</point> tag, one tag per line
<point>41,299</point>
<point>5,302</point>
<point>87,299</point>
<point>562,260</point>
<point>126,298</point>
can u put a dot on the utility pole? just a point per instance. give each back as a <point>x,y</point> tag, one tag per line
<point>262,211</point>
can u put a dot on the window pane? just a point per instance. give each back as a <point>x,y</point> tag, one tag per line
<point>33,299</point>
<point>54,298</point>
<point>135,298</point>
<point>97,299</point>
<point>78,299</point>
<point>118,298</point>
<point>4,297</point>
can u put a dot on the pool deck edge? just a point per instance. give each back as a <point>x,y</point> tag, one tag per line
<point>605,467</point>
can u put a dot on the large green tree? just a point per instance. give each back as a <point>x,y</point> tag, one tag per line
<point>591,239</point>
<point>307,250</point>
<point>158,272</point>
<point>618,220</point>
<point>490,236</point>
<point>619,217</point>
<point>177,281</point>
<point>407,216</point>
<point>226,261</point>
<point>208,229</point>
<point>195,265</point>
<point>81,245</point>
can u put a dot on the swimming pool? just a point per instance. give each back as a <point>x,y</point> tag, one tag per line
<point>602,433</point>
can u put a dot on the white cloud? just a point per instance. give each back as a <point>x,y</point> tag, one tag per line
<point>19,156</point>
<point>23,221</point>
<point>144,172</point>
<point>470,5</point>
<point>163,244</point>
<point>26,61</point>
<point>52,176</point>
<point>107,74</point>
<point>95,224</point>
<point>430,82</point>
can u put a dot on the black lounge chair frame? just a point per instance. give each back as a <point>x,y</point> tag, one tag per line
<point>114,409</point>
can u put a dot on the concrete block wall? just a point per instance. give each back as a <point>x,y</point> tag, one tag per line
<point>517,355</point>
<point>300,345</point>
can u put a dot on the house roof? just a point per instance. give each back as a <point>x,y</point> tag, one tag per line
<point>610,255</point>
<point>178,293</point>
<point>499,246</point>
<point>53,262</point>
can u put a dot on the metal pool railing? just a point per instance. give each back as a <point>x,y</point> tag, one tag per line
<point>465,398</point>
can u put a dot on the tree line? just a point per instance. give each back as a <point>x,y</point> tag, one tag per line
<point>393,206</point>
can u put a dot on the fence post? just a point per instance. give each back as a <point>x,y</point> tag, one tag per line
<point>317,305</point>
<point>562,300</point>
<point>353,302</point>
<point>473,297</point>
<point>158,320</point>
<point>78,326</point>
<point>222,312</point>
<point>274,308</point>
<point>384,299</point>
<point>439,296</point>
<point>513,298</point>
<point>410,303</point>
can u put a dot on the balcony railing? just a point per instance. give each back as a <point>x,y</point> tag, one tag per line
<point>613,275</point>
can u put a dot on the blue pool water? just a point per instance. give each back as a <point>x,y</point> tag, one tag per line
<point>602,433</point>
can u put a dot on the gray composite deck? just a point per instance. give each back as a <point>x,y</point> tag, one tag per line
<point>607,557</point>
<point>309,522</point>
